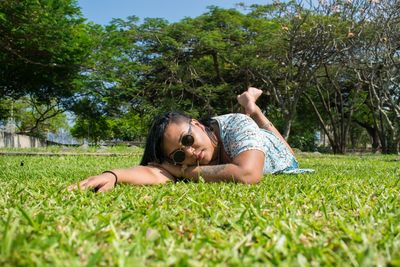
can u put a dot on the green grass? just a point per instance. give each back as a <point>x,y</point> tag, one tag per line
<point>347,214</point>
<point>76,149</point>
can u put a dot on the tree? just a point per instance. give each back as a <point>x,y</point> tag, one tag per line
<point>112,76</point>
<point>43,45</point>
<point>187,62</point>
<point>302,43</point>
<point>326,53</point>
<point>377,65</point>
<point>33,117</point>
<point>336,97</point>
<point>90,123</point>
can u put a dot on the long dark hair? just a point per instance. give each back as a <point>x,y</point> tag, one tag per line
<point>153,149</point>
<point>154,142</point>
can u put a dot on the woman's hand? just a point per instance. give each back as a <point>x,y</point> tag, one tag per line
<point>99,183</point>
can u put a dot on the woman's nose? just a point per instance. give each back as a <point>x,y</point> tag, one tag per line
<point>189,150</point>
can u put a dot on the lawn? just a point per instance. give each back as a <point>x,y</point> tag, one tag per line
<point>346,213</point>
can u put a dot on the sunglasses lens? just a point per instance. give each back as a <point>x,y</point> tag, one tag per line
<point>187,140</point>
<point>178,156</point>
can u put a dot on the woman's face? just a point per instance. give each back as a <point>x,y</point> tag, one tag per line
<point>200,152</point>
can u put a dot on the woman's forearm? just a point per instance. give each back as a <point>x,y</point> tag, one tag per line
<point>220,173</point>
<point>142,175</point>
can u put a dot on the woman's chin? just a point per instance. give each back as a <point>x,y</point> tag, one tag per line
<point>206,161</point>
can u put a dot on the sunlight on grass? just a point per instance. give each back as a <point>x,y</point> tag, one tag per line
<point>347,213</point>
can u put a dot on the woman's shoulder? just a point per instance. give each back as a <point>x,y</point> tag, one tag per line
<point>239,133</point>
<point>233,120</point>
<point>235,124</point>
<point>231,117</point>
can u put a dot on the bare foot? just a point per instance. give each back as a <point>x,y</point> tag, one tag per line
<point>255,92</point>
<point>248,100</point>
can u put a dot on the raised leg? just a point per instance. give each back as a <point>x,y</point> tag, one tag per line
<point>248,101</point>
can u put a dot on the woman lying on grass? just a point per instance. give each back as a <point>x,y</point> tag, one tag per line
<point>232,147</point>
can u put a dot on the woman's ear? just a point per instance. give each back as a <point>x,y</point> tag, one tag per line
<point>198,124</point>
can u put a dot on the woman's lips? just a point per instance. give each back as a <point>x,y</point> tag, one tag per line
<point>200,155</point>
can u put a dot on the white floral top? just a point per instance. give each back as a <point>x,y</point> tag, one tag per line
<point>240,133</point>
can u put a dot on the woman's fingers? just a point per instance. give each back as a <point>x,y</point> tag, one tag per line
<point>96,183</point>
<point>99,183</point>
<point>77,185</point>
<point>106,187</point>
<point>72,187</point>
<point>92,183</point>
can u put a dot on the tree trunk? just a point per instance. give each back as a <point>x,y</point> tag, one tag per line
<point>373,133</point>
<point>287,125</point>
<point>391,144</point>
<point>376,144</point>
<point>216,66</point>
<point>342,149</point>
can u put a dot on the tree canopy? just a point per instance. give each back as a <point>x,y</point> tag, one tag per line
<point>43,45</point>
<point>328,66</point>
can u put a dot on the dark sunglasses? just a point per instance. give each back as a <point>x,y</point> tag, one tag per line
<point>178,156</point>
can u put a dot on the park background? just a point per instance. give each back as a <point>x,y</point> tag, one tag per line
<point>328,67</point>
<point>329,70</point>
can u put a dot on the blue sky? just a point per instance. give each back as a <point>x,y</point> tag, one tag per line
<point>102,11</point>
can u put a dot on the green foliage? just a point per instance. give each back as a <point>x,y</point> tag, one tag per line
<point>5,109</point>
<point>32,117</point>
<point>129,71</point>
<point>303,132</point>
<point>90,124</point>
<point>346,213</point>
<point>129,127</point>
<point>43,45</point>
